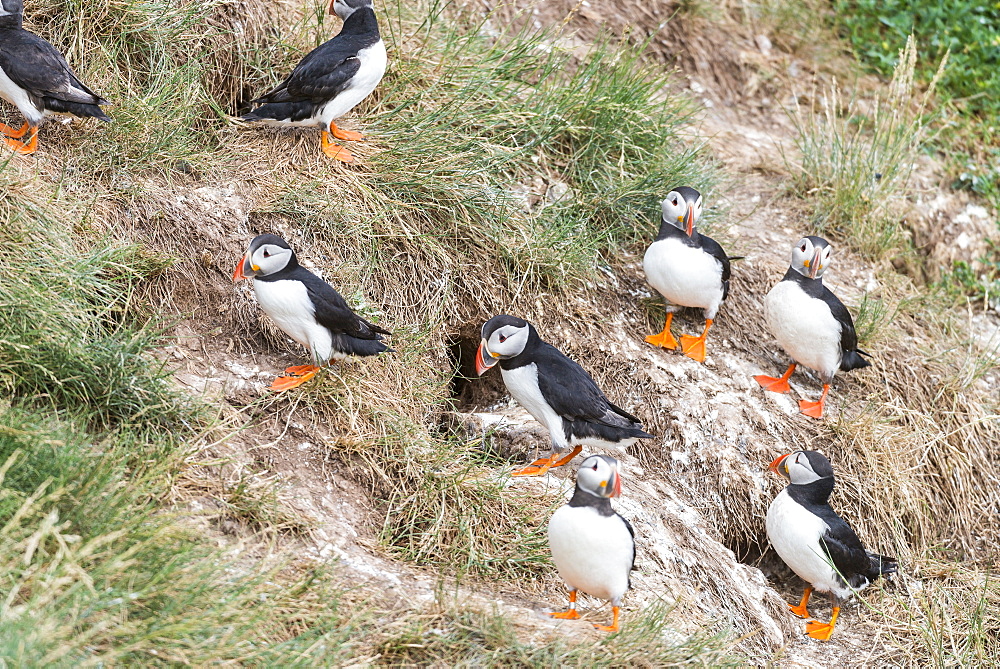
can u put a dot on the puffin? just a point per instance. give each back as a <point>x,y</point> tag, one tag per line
<point>36,79</point>
<point>556,391</point>
<point>306,308</point>
<point>810,323</point>
<point>815,542</point>
<point>687,268</point>
<point>592,546</point>
<point>330,81</point>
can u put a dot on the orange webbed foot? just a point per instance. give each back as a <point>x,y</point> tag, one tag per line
<point>819,631</point>
<point>693,347</point>
<point>570,614</point>
<point>299,370</point>
<point>536,468</point>
<point>14,134</point>
<point>346,135</point>
<point>24,148</point>
<point>799,610</point>
<point>613,627</point>
<point>779,385</point>
<point>288,382</point>
<point>814,409</point>
<point>663,340</point>
<point>335,151</point>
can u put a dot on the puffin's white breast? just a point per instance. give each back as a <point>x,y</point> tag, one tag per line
<point>18,97</point>
<point>684,275</point>
<point>796,533</point>
<point>287,303</point>
<point>592,553</point>
<point>522,383</point>
<point>805,327</point>
<point>372,67</point>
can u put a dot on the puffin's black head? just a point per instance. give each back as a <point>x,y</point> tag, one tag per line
<point>344,8</point>
<point>266,255</point>
<point>503,337</point>
<point>681,208</point>
<point>803,467</point>
<point>10,13</point>
<point>812,256</point>
<point>599,476</point>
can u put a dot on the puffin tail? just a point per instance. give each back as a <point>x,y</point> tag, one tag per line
<point>882,565</point>
<point>280,111</point>
<point>853,360</point>
<point>79,109</point>
<point>359,347</point>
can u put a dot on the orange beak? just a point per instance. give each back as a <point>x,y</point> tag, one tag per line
<point>238,274</point>
<point>814,265</point>
<point>777,463</point>
<point>483,359</point>
<point>689,220</point>
<point>617,490</point>
<point>329,7</point>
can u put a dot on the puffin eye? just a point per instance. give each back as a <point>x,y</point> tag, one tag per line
<point>595,466</point>
<point>803,248</point>
<point>503,338</point>
<point>267,254</point>
<point>674,202</point>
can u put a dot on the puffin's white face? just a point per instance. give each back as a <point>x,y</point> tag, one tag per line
<point>344,8</point>
<point>800,467</point>
<point>811,257</point>
<point>682,208</point>
<point>503,337</point>
<point>599,476</point>
<point>269,258</point>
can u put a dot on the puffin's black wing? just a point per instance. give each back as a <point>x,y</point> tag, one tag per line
<point>332,310</point>
<point>572,393</point>
<point>843,546</point>
<point>628,526</point>
<point>851,358</point>
<point>714,249</point>
<point>322,74</point>
<point>36,66</point>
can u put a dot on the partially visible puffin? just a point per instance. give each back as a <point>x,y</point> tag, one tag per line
<point>555,390</point>
<point>814,541</point>
<point>810,323</point>
<point>687,268</point>
<point>306,308</point>
<point>331,80</point>
<point>36,79</point>
<point>592,546</point>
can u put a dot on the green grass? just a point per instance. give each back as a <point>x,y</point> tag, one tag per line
<point>854,162</point>
<point>968,32</point>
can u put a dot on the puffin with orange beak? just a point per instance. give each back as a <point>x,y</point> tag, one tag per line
<point>556,391</point>
<point>687,268</point>
<point>330,81</point>
<point>306,308</point>
<point>816,543</point>
<point>592,546</point>
<point>810,323</point>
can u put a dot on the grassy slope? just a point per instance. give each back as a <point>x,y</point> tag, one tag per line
<point>95,434</point>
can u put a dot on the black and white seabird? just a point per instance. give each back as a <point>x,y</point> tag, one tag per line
<point>814,541</point>
<point>593,547</point>
<point>687,268</point>
<point>306,308</point>
<point>810,323</point>
<point>555,390</point>
<point>331,80</point>
<point>36,79</point>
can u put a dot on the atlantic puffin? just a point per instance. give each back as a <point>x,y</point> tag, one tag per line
<point>593,547</point>
<point>36,79</point>
<point>814,541</point>
<point>810,323</point>
<point>331,80</point>
<point>556,391</point>
<point>687,268</point>
<point>306,308</point>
